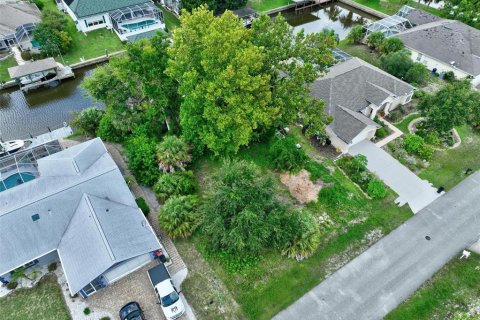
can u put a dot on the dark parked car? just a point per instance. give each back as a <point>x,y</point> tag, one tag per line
<point>131,311</point>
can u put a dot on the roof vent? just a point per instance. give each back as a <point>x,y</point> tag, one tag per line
<point>35,217</point>
<point>452,63</point>
<point>107,210</point>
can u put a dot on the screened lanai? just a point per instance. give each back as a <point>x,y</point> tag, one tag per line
<point>389,26</point>
<point>136,17</point>
<point>21,167</point>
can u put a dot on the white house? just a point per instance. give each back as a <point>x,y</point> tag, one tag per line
<point>354,92</point>
<point>129,19</point>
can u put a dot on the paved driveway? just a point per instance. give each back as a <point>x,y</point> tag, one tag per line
<point>410,188</point>
<point>381,278</point>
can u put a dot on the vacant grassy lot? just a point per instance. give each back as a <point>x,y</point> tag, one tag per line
<point>361,51</point>
<point>447,167</point>
<point>4,65</point>
<point>42,302</point>
<point>451,290</point>
<point>264,5</point>
<point>276,281</point>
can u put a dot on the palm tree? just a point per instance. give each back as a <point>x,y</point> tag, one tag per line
<point>173,152</point>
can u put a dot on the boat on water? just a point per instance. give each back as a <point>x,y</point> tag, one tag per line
<point>11,146</point>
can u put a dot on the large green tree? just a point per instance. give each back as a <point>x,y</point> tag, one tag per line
<point>135,88</point>
<point>453,105</point>
<point>467,11</point>
<point>226,97</point>
<point>51,33</point>
<point>237,82</point>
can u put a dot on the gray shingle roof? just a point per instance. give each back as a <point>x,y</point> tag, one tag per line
<point>347,124</point>
<point>73,216</point>
<point>13,15</point>
<point>354,85</point>
<point>85,8</point>
<point>419,17</point>
<point>447,41</point>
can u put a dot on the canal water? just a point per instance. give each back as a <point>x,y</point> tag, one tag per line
<point>32,113</point>
<point>23,114</point>
<point>338,17</point>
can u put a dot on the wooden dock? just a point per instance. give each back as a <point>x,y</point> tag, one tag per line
<point>301,5</point>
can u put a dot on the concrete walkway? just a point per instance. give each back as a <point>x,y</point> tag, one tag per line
<point>377,281</point>
<point>395,133</point>
<point>18,56</point>
<point>410,188</point>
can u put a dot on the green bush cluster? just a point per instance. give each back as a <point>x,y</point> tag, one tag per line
<point>12,285</point>
<point>242,216</point>
<point>142,204</point>
<point>333,196</point>
<point>381,133</point>
<point>87,311</point>
<point>52,267</point>
<point>87,121</point>
<point>415,144</point>
<point>107,131</point>
<point>400,65</point>
<point>142,161</point>
<point>375,39</point>
<point>318,171</point>
<point>356,34</point>
<point>285,154</point>
<point>179,216</point>
<point>356,169</point>
<point>178,183</point>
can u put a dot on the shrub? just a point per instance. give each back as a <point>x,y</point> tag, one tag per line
<point>142,161</point>
<point>390,45</point>
<point>332,196</point>
<point>417,74</point>
<point>356,34</point>
<point>381,133</point>
<point>175,184</point>
<point>397,63</point>
<point>105,318</point>
<point>306,239</point>
<point>12,285</point>
<point>375,39</point>
<point>376,189</point>
<point>106,130</point>
<point>87,121</point>
<point>39,4</point>
<point>415,144</point>
<point>237,207</point>
<point>173,153</point>
<point>142,204</point>
<point>449,76</point>
<point>86,311</point>
<point>179,216</point>
<point>432,137</point>
<point>285,154</point>
<point>52,267</point>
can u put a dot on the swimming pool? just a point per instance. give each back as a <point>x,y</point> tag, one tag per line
<point>138,25</point>
<point>15,180</point>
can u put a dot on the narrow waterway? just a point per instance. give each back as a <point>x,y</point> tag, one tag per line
<point>22,114</point>
<point>338,17</point>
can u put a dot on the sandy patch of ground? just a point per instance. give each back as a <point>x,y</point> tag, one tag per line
<point>301,187</point>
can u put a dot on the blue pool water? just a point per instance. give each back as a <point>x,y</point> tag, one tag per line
<point>15,179</point>
<point>138,25</point>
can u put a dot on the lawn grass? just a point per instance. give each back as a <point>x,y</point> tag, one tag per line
<point>276,281</point>
<point>447,168</point>
<point>4,65</point>
<point>265,5</point>
<point>361,51</point>
<point>42,302</point>
<point>403,125</point>
<point>171,21</point>
<point>455,286</point>
<point>391,7</point>
<point>87,47</point>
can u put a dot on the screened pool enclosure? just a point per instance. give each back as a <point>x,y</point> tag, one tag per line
<point>136,19</point>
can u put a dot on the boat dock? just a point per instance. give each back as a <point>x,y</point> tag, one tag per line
<point>51,135</point>
<point>301,5</point>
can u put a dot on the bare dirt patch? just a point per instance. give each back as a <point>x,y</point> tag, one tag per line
<point>301,187</point>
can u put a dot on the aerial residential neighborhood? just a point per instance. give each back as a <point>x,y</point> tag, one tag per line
<point>240,159</point>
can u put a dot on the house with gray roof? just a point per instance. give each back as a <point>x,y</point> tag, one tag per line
<point>75,208</point>
<point>17,22</point>
<point>354,92</point>
<point>129,19</point>
<point>445,45</point>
